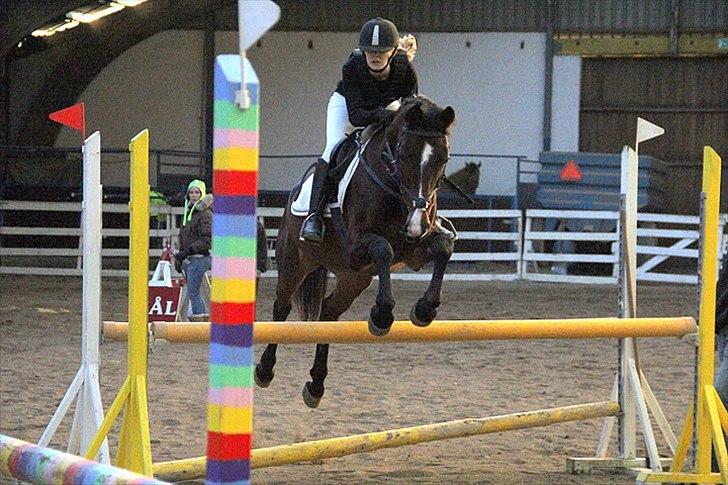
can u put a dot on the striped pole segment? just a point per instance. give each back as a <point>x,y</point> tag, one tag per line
<point>38,464</point>
<point>235,184</point>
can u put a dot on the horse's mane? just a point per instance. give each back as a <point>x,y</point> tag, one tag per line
<point>430,110</point>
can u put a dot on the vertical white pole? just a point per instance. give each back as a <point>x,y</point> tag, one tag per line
<point>85,386</point>
<point>91,313</point>
<point>242,97</point>
<point>91,248</point>
<point>627,422</point>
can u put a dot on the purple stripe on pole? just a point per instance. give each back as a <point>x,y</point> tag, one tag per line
<point>236,335</point>
<point>227,471</point>
<point>235,205</point>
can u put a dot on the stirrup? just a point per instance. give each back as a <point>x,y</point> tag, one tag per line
<point>311,236</point>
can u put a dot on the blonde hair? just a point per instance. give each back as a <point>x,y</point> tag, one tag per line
<point>408,43</point>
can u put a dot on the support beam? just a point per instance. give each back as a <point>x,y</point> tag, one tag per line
<point>439,331</point>
<point>641,45</point>
<point>194,468</point>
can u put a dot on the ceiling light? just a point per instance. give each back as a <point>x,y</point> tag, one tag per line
<point>130,3</point>
<point>91,14</point>
<point>85,15</point>
<point>51,29</point>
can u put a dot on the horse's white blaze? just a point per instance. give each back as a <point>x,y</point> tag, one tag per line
<point>415,223</point>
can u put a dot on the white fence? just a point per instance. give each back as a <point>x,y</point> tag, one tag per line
<point>492,244</point>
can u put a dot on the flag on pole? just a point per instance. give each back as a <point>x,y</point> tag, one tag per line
<point>647,130</point>
<point>74,117</point>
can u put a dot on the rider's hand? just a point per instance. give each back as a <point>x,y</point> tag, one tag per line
<point>387,116</point>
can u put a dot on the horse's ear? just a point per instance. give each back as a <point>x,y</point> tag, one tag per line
<point>447,116</point>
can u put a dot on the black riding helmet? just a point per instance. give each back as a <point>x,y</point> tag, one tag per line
<point>378,35</point>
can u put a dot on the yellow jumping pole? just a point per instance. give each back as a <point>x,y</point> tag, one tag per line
<point>706,399</point>
<point>193,468</point>
<point>134,450</point>
<point>708,276</point>
<point>351,332</point>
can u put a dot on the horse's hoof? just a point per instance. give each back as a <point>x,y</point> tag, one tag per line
<point>417,321</point>
<point>380,322</point>
<point>260,381</point>
<point>310,400</point>
<point>420,316</point>
<point>375,330</point>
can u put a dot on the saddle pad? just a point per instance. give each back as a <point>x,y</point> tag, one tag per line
<point>300,205</point>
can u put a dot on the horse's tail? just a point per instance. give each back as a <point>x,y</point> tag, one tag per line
<point>311,293</point>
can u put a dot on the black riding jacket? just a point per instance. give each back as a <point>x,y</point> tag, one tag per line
<point>366,96</point>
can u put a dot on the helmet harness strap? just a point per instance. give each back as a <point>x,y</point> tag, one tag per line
<point>377,71</point>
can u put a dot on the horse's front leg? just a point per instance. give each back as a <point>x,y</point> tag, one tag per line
<point>425,310</point>
<point>375,249</point>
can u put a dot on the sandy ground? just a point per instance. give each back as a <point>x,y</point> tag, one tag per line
<point>369,388</point>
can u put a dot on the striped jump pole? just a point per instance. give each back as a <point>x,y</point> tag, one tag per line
<point>37,464</point>
<point>235,183</point>
<point>193,468</point>
<point>236,125</point>
<point>439,331</point>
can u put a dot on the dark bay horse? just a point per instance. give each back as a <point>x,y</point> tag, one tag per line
<point>390,215</point>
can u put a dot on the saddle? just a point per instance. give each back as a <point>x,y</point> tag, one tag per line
<point>349,146</point>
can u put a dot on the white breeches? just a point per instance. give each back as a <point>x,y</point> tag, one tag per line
<point>337,124</point>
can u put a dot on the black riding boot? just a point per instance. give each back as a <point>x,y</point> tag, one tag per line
<point>312,229</point>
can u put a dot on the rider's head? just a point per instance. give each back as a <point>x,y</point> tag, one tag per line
<point>378,40</point>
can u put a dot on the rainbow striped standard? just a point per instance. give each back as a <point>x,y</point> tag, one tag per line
<point>235,184</point>
<point>37,464</point>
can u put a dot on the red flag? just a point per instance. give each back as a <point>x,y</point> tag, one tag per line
<point>73,117</point>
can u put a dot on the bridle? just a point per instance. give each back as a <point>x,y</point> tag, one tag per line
<point>392,160</point>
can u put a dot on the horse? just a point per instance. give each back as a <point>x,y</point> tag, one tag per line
<point>467,178</point>
<point>390,220</point>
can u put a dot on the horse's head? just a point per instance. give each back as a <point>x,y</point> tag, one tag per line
<point>417,144</point>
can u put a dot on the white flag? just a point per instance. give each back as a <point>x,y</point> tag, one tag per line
<point>647,130</point>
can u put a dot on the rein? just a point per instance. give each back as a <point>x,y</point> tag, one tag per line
<point>392,160</point>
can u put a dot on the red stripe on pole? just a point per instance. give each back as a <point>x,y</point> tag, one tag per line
<point>229,182</point>
<point>221,446</point>
<point>232,313</point>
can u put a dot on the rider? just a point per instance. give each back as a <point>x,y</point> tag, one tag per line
<point>376,74</point>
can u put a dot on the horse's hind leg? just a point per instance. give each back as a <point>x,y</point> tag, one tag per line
<point>290,276</point>
<point>348,287</point>
<point>264,373</point>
